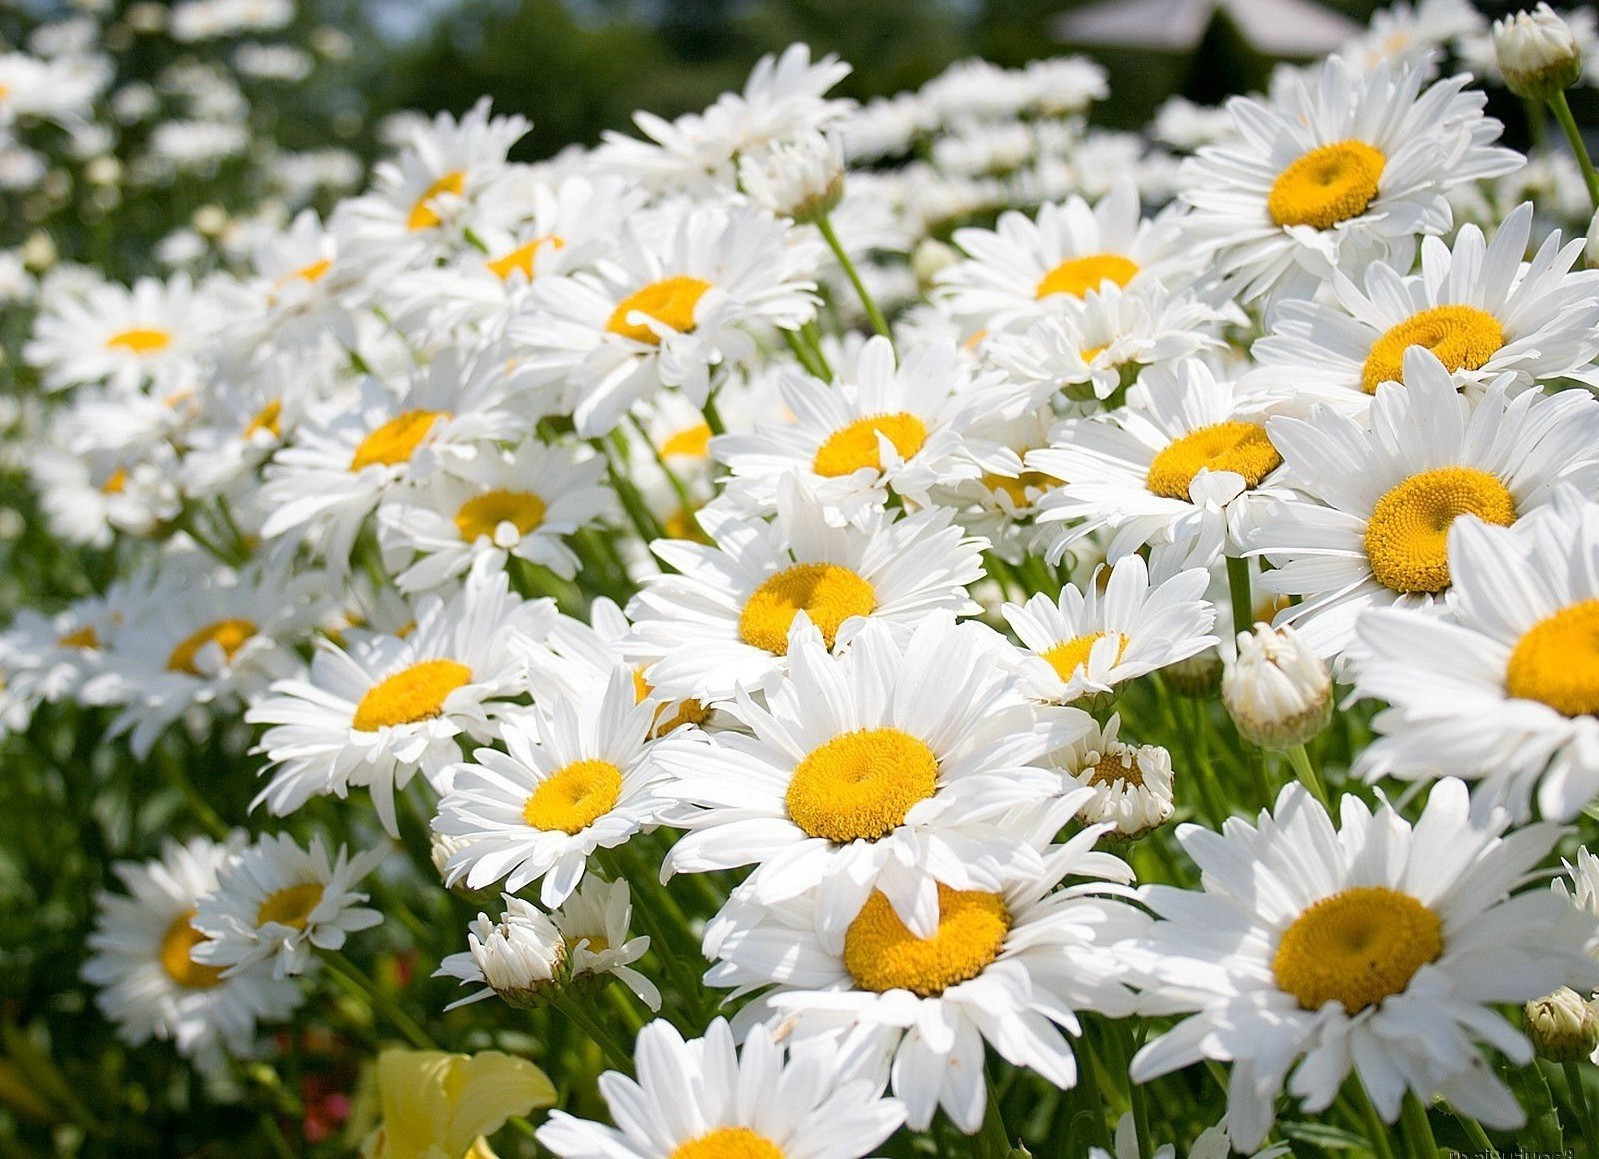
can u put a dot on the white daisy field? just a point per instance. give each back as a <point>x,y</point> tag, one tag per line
<point>807,629</point>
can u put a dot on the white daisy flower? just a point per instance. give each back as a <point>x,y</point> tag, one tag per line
<point>563,788</point>
<point>46,659</point>
<point>86,502</point>
<point>1132,784</point>
<point>1337,169</point>
<point>518,957</point>
<point>595,922</point>
<point>721,623</point>
<point>300,293</point>
<point>1008,964</point>
<point>1176,472</point>
<point>1090,640</point>
<point>149,984</point>
<point>374,715</point>
<point>1212,1143</point>
<point>63,89</point>
<point>1414,33</point>
<point>1373,527</point>
<point>1379,948</point>
<point>685,288</point>
<point>1475,305</point>
<point>275,901</point>
<point>520,503</point>
<point>886,767</point>
<point>246,416</point>
<point>1502,690</point>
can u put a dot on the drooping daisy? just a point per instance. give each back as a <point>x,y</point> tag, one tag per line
<point>1337,169</point>
<point>705,1098</point>
<point>1132,784</point>
<point>374,715</point>
<point>1090,640</point>
<point>1175,473</point>
<point>721,622</point>
<point>1379,948</point>
<point>1373,527</point>
<point>275,901</point>
<point>883,768</point>
<point>1502,692</point>
<point>687,286</point>
<point>565,787</point>
<point>1212,1143</point>
<point>149,984</point>
<point>521,503</point>
<point>1008,964</point>
<point>1475,305</point>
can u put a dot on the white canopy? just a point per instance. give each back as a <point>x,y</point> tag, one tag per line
<point>1275,27</point>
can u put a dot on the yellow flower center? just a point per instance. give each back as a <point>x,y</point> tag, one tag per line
<point>1070,655</point>
<point>176,945</point>
<point>396,441</point>
<point>1327,185</point>
<point>313,273</point>
<point>269,419</point>
<point>728,1143</point>
<point>859,785</point>
<point>1077,276</point>
<point>670,302</point>
<point>1557,661</point>
<point>1357,947</point>
<point>423,215</point>
<point>570,799</point>
<point>850,448</point>
<point>1463,338</point>
<point>291,906</point>
<point>881,954</point>
<point>1018,486</point>
<point>688,711</point>
<point>483,514</point>
<point>1110,772</point>
<point>827,593</point>
<point>412,694</point>
<point>695,442</point>
<point>1407,537</point>
<point>115,483</point>
<point>229,635</point>
<point>523,258</point>
<point>1240,447</point>
<point>85,638</point>
<point>140,340</point>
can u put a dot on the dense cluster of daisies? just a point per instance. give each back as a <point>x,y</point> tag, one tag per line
<point>899,558</point>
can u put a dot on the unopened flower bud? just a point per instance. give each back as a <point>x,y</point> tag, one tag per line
<point>802,178</point>
<point>1563,1027</point>
<point>209,220</point>
<point>931,256</point>
<point>1537,53</point>
<point>1278,691</point>
<point>1195,677</point>
<point>520,957</point>
<point>39,251</point>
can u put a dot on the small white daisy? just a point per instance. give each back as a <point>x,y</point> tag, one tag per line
<point>1132,784</point>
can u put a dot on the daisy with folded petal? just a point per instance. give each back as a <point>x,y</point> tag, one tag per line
<point>1000,504</point>
<point>1131,784</point>
<point>688,287</point>
<point>388,707</point>
<point>275,901</point>
<point>1379,948</point>
<point>151,986</point>
<point>348,454</point>
<point>721,621</point>
<point>884,768</point>
<point>149,333</point>
<point>882,427</point>
<point>520,503</point>
<point>1175,472</point>
<point>1339,168</point>
<point>564,788</point>
<point>1373,527</point>
<point>1026,268</point>
<point>1009,965</point>
<point>1476,305</point>
<point>1091,640</point>
<point>1502,691</point>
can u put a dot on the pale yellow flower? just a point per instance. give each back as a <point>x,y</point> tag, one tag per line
<point>440,1106</point>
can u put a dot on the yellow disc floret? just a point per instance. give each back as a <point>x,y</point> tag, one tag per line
<point>1077,276</point>
<point>670,302</point>
<point>850,448</point>
<point>826,592</point>
<point>859,785</point>
<point>1240,447</point>
<point>412,694</point>
<point>1068,656</point>
<point>423,215</point>
<point>573,797</point>
<point>291,906</point>
<point>176,945</point>
<point>1327,185</point>
<point>483,514</point>
<point>140,340</point>
<point>728,1143</point>
<point>882,954</point>
<point>229,635</point>
<point>1357,947</point>
<point>524,258</point>
<point>1557,661</point>
<point>395,441</point>
<point>1463,338</point>
<point>1407,536</point>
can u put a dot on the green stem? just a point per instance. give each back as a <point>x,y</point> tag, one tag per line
<point>813,339</point>
<point>274,1135</point>
<point>1306,772</point>
<point>350,976</point>
<point>617,1056</point>
<point>1376,1129</point>
<point>198,805</point>
<point>1238,591</point>
<point>806,356</point>
<point>1418,1128</point>
<point>1474,1132</point>
<point>879,324</point>
<point>644,521</point>
<point>1579,1104</point>
<point>713,417</point>
<point>1562,111</point>
<point>991,1141</point>
<point>1121,1035</point>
